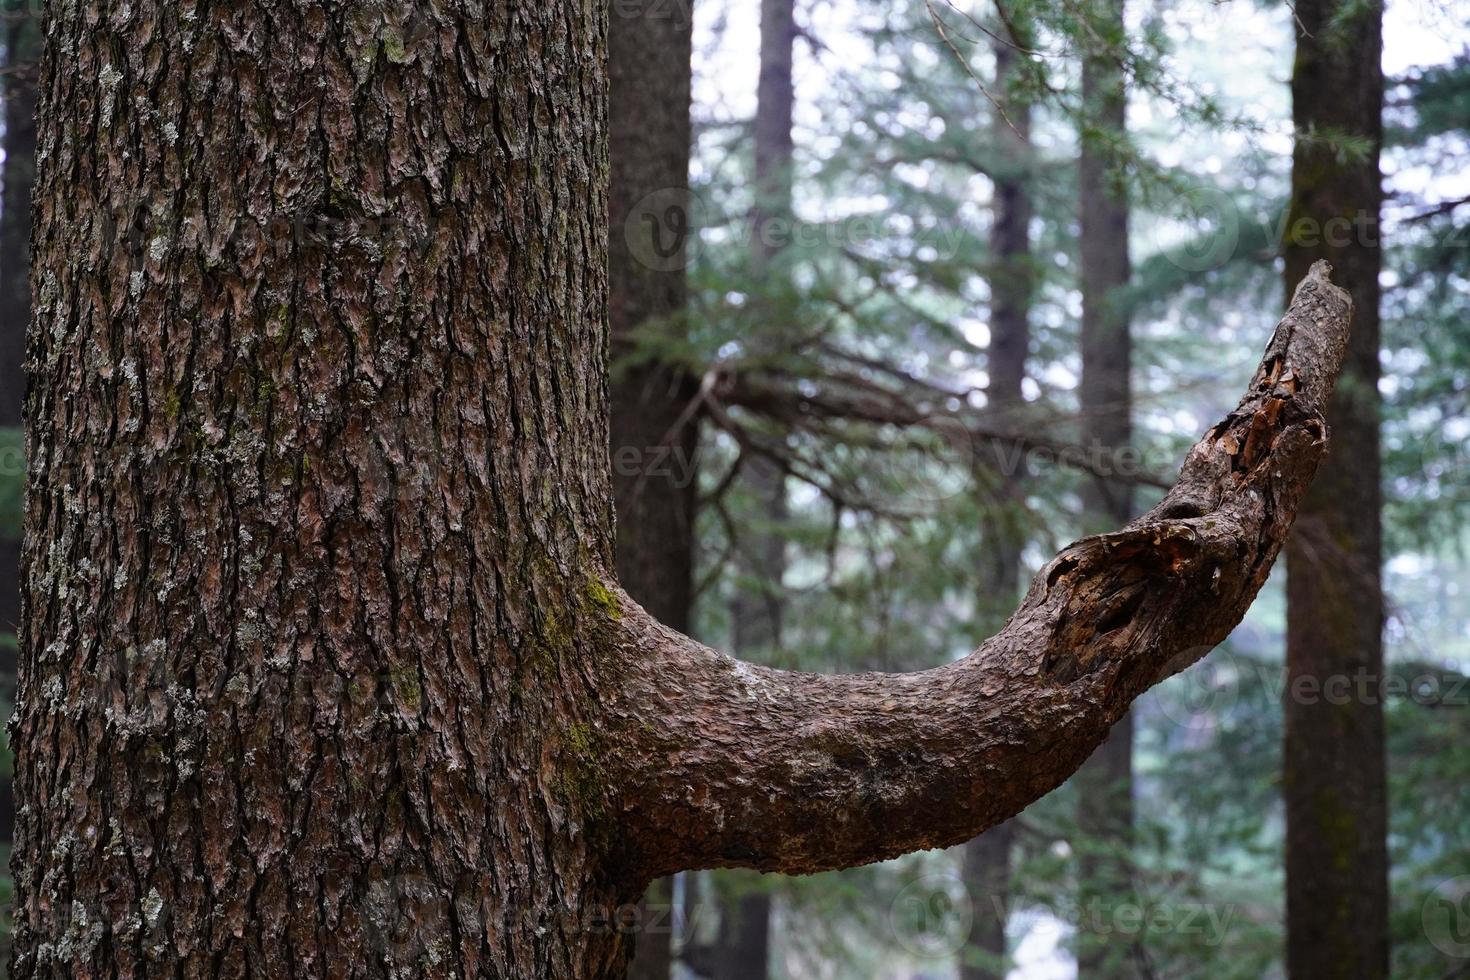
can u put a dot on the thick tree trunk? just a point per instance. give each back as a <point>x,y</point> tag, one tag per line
<point>654,437</point>
<point>319,496</point>
<point>1105,784</point>
<point>324,670</point>
<point>986,865</point>
<point>1334,767</point>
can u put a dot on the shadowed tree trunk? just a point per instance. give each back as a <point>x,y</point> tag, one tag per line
<point>22,44</point>
<point>1334,766</point>
<point>654,437</point>
<point>325,668</point>
<point>986,864</point>
<point>1105,784</point>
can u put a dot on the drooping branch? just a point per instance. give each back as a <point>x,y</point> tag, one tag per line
<point>983,435</point>
<point>704,761</point>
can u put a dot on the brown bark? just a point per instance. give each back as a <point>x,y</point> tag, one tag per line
<point>1334,765</point>
<point>719,763</point>
<point>986,864</point>
<point>322,673</point>
<point>1105,784</point>
<point>654,439</point>
<point>318,496</point>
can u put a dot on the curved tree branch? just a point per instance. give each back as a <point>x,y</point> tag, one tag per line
<point>706,761</point>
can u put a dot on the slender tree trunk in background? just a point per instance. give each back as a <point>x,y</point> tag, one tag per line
<point>22,48</point>
<point>1105,783</point>
<point>1334,766</point>
<point>654,439</point>
<point>744,943</point>
<point>986,865</point>
<point>986,872</point>
<point>743,946</point>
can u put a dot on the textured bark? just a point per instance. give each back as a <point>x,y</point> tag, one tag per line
<point>654,439</point>
<point>322,669</point>
<point>1334,766</point>
<point>986,865</point>
<point>1105,784</point>
<point>22,44</point>
<point>319,495</point>
<point>720,763</point>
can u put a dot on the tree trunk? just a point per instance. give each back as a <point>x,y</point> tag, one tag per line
<point>986,871</point>
<point>324,669</point>
<point>22,44</point>
<point>986,865</point>
<point>654,438</point>
<point>1105,784</point>
<point>318,482</point>
<point>1334,766</point>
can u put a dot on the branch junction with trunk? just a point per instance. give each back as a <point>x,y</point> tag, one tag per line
<point>321,628</point>
<point>712,762</point>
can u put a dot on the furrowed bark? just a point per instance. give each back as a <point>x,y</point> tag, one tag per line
<point>318,439</point>
<point>322,673</point>
<point>712,762</point>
